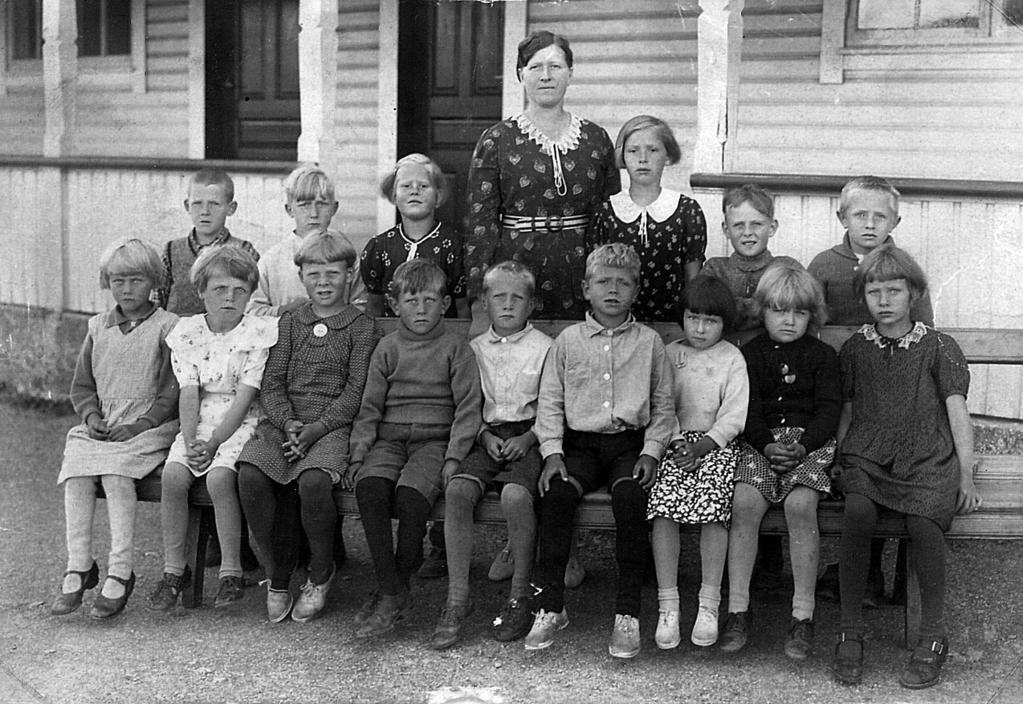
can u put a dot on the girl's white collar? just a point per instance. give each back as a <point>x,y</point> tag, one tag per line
<point>660,210</point>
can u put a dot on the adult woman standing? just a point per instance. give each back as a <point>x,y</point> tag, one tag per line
<point>534,181</point>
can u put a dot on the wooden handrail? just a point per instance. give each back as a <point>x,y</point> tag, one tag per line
<point>832,184</point>
<point>147,163</point>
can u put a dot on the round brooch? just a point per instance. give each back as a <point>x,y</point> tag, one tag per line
<point>320,330</point>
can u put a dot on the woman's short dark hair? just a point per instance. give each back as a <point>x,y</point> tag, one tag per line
<point>708,295</point>
<point>541,40</point>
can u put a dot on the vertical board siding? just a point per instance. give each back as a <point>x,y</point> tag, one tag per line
<point>22,202</point>
<point>630,58</point>
<point>103,205</point>
<point>356,121</point>
<point>942,122</point>
<point>969,249</point>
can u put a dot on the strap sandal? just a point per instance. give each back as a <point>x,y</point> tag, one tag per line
<point>66,603</point>
<point>924,667</point>
<point>105,607</point>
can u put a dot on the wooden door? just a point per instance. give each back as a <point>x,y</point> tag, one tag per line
<point>449,85</point>
<point>252,90</point>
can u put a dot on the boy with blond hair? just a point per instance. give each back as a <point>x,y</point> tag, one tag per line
<point>604,417</point>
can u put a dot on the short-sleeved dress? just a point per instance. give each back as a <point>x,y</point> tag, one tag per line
<point>513,173</point>
<point>711,391</point>
<point>795,396</point>
<point>316,372</point>
<point>218,363</point>
<point>899,451</point>
<point>126,367</point>
<point>443,246</point>
<point>667,234</point>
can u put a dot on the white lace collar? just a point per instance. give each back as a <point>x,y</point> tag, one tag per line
<point>660,210</point>
<point>870,332</point>
<point>568,140</point>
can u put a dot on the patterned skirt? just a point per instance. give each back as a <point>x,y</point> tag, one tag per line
<point>754,469</point>
<point>701,496</point>
<point>265,450</point>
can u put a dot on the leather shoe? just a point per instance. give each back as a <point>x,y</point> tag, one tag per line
<point>924,666</point>
<point>848,665</point>
<point>65,603</point>
<point>104,607</point>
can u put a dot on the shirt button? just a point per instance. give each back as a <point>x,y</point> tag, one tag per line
<point>607,376</point>
<point>607,404</point>
<point>607,347</point>
<point>779,398</point>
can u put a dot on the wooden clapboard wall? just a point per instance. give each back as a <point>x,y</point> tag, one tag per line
<point>938,116</point>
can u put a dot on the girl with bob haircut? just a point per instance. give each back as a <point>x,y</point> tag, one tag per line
<point>126,396</point>
<point>695,479</point>
<point>667,229</point>
<point>906,444</point>
<point>218,358</point>
<point>788,445</point>
<point>417,188</point>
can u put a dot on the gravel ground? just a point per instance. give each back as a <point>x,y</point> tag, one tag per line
<point>235,655</point>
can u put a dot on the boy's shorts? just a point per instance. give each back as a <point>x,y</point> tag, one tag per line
<point>409,454</point>
<point>595,460</point>
<point>482,468</point>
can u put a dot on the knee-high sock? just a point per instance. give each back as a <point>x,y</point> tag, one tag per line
<point>460,501</point>
<point>222,483</point>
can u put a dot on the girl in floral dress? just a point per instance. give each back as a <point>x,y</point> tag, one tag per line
<point>905,444</point>
<point>534,181</point>
<point>666,228</point>
<point>695,480</point>
<point>218,359</point>
<point>416,188</point>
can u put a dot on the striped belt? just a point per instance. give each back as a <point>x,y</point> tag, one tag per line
<point>538,223</point>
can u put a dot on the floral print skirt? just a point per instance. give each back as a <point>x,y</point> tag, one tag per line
<point>701,496</point>
<point>755,470</point>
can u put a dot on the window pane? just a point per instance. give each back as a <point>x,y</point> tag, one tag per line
<point>885,14</point>
<point>949,13</point>
<point>1012,13</point>
<point>25,29</point>
<point>118,27</point>
<point>89,34</point>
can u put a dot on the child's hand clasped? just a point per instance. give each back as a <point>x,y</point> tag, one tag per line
<point>97,427</point>
<point>684,456</point>
<point>784,457</point>
<point>200,454</point>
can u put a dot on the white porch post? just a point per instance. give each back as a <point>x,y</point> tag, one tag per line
<point>317,78</point>
<point>60,74</point>
<point>387,104</point>
<point>719,46</point>
<point>196,79</point>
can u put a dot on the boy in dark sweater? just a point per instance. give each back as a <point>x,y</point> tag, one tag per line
<point>209,203</point>
<point>420,413</point>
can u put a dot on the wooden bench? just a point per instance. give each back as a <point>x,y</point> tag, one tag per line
<point>999,478</point>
